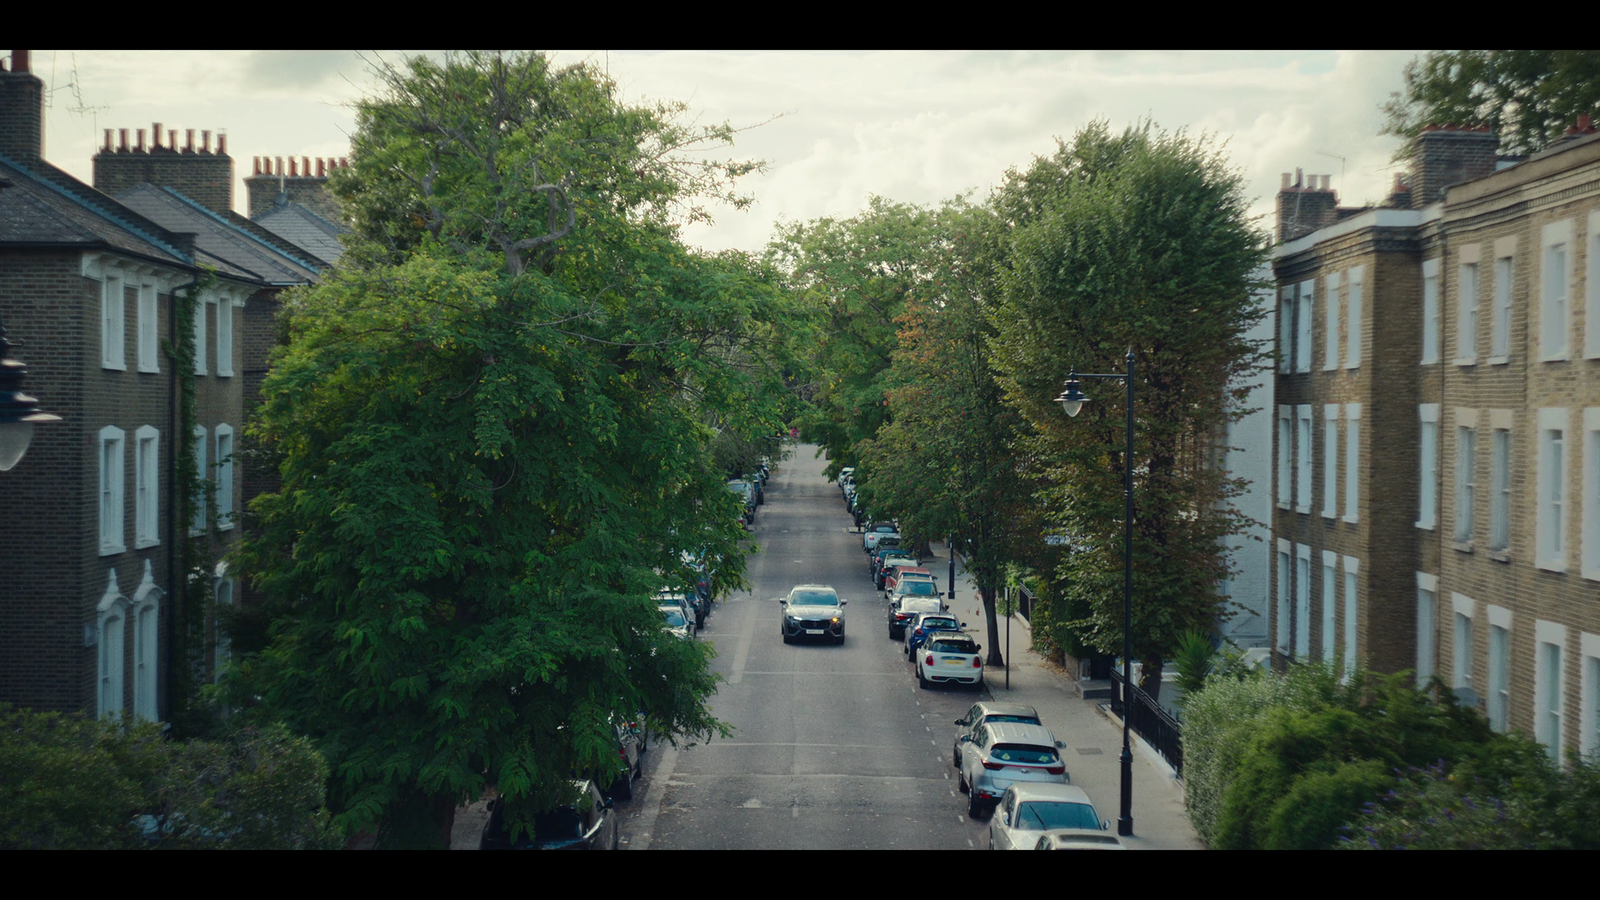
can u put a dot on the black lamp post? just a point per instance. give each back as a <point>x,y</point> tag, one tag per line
<point>18,411</point>
<point>1072,400</point>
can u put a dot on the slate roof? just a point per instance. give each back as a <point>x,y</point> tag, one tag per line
<point>219,243</point>
<point>297,224</point>
<point>45,207</point>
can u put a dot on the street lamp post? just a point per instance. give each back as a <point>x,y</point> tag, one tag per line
<point>1072,400</point>
<point>18,411</point>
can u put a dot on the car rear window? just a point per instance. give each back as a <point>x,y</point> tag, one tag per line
<point>949,646</point>
<point>1024,753</point>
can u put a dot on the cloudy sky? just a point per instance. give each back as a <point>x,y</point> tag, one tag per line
<point>915,127</point>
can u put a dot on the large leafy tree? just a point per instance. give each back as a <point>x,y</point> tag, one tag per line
<point>855,275</point>
<point>494,424</point>
<point>948,462</point>
<point>1529,97</point>
<point>1143,241</point>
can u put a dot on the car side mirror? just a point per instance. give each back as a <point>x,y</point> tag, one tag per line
<point>1060,745</point>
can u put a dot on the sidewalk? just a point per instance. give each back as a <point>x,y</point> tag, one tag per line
<point>1092,736</point>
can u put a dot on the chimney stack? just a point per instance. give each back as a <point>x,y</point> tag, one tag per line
<point>21,111</point>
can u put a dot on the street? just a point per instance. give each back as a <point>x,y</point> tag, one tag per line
<point>833,747</point>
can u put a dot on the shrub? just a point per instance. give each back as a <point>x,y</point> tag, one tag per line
<point>76,783</point>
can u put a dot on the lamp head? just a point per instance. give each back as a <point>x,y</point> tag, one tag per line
<point>1072,398</point>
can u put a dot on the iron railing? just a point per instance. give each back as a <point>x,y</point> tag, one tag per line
<point>1148,720</point>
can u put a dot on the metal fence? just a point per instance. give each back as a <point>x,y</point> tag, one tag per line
<point>1148,720</point>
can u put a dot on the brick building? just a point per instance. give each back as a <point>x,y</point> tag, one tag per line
<point>1437,485</point>
<point>90,545</point>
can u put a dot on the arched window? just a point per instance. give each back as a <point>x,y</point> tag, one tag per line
<point>110,629</point>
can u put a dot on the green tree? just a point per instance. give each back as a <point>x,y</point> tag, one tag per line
<point>1138,241</point>
<point>948,462</point>
<point>1529,97</point>
<point>855,275</point>
<point>495,421</point>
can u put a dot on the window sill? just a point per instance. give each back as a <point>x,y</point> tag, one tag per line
<point>1425,526</point>
<point>150,370</point>
<point>112,549</point>
<point>143,544</point>
<point>1462,546</point>
<point>1303,510</point>
<point>113,367</point>
<point>1348,520</point>
<point>1551,565</point>
<point>1592,574</point>
<point>1429,362</point>
<point>1500,556</point>
<point>1498,360</point>
<point>1467,361</point>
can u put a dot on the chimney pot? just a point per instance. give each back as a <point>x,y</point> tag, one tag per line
<point>19,61</point>
<point>172,139</point>
<point>1299,177</point>
<point>222,143</point>
<point>122,140</point>
<point>188,141</point>
<point>1285,185</point>
<point>141,140</point>
<point>155,135</point>
<point>107,148</point>
<point>205,140</point>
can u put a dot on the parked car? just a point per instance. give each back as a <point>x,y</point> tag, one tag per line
<point>925,623</point>
<point>1077,839</point>
<point>982,714</point>
<point>886,547</point>
<point>676,621</point>
<point>683,600</point>
<point>747,491</point>
<point>889,563</point>
<point>902,611</point>
<point>949,657</point>
<point>812,610</point>
<point>1027,811</point>
<point>913,585</point>
<point>1005,753</point>
<point>589,822</point>
<point>910,573</point>
<point>876,532</point>
<point>630,761</point>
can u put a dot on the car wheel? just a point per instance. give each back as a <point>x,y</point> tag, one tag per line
<point>922,682</point>
<point>955,758</point>
<point>787,638</point>
<point>625,791</point>
<point>961,782</point>
<point>974,807</point>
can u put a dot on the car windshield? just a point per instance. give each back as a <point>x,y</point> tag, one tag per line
<point>1022,720</point>
<point>814,598</point>
<point>1021,753</point>
<point>1043,814</point>
<point>674,618</point>
<point>919,588</point>
<point>946,645</point>
<point>883,529</point>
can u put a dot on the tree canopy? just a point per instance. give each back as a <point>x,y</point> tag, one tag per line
<point>495,423</point>
<point>1529,97</point>
<point>1136,241</point>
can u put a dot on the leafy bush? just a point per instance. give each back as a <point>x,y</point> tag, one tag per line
<point>1439,808</point>
<point>77,783</point>
<point>1218,723</point>
<point>1287,762</point>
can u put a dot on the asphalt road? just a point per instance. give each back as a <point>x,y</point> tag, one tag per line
<point>833,747</point>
